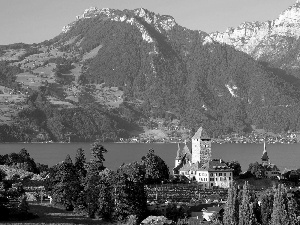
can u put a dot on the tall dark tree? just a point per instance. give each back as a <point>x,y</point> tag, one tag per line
<point>129,194</point>
<point>236,166</point>
<point>156,169</point>
<point>79,164</point>
<point>98,191</point>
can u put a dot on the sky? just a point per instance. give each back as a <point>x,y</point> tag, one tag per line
<point>33,21</point>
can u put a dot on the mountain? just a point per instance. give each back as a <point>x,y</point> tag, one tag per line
<point>110,70</point>
<point>275,42</point>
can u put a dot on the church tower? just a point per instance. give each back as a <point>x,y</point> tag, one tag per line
<point>201,147</point>
<point>178,157</point>
<point>265,157</point>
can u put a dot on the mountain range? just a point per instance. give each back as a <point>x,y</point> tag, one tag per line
<point>110,70</point>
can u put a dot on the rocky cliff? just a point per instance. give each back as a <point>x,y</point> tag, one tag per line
<point>274,41</point>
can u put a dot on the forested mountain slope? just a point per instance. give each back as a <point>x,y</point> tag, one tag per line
<point>160,67</point>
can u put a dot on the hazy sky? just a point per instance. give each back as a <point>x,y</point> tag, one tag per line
<point>31,21</point>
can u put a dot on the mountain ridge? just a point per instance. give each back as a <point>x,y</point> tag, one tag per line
<point>109,71</point>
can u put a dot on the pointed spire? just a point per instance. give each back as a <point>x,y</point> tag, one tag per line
<point>265,156</point>
<point>178,151</point>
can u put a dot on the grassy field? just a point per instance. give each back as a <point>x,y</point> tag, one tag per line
<point>52,215</point>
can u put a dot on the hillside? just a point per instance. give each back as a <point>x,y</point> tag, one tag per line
<point>109,71</point>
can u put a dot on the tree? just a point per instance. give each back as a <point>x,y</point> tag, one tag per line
<point>79,164</point>
<point>63,184</point>
<point>129,194</point>
<point>256,169</point>
<point>98,191</point>
<point>97,151</point>
<point>246,210</point>
<point>279,214</point>
<point>231,213</point>
<point>266,207</point>
<point>236,166</point>
<point>156,169</point>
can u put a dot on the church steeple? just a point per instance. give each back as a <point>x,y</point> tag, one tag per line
<point>265,157</point>
<point>178,152</point>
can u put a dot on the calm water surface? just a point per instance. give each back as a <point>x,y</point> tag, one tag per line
<point>283,155</point>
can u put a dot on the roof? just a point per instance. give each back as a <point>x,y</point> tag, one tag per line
<point>184,151</point>
<point>214,209</point>
<point>271,167</point>
<point>200,134</point>
<point>216,165</point>
<point>190,166</point>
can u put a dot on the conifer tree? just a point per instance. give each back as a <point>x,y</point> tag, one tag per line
<point>79,164</point>
<point>156,169</point>
<point>266,207</point>
<point>231,213</point>
<point>279,214</point>
<point>246,211</point>
<point>292,211</point>
<point>129,195</point>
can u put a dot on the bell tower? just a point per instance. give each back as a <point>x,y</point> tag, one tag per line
<point>201,147</point>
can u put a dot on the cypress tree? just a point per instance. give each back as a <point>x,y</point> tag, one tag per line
<point>79,164</point>
<point>266,207</point>
<point>246,212</point>
<point>292,210</point>
<point>231,213</point>
<point>279,214</point>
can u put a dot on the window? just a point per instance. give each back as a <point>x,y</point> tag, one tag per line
<point>220,174</point>
<point>224,178</point>
<point>229,178</point>
<point>224,174</point>
<point>211,179</point>
<point>211,184</point>
<point>216,179</point>
<point>211,174</point>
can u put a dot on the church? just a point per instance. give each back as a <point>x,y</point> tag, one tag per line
<point>195,163</point>
<point>270,170</point>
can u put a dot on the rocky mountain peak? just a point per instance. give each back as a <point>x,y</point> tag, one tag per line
<point>158,21</point>
<point>249,35</point>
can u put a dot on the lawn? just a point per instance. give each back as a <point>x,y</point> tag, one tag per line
<point>52,215</point>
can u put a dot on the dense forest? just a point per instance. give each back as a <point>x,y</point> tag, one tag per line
<point>207,84</point>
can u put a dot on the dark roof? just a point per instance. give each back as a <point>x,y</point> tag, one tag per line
<point>265,156</point>
<point>214,209</point>
<point>200,134</point>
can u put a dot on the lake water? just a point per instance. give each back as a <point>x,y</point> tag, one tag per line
<point>283,155</point>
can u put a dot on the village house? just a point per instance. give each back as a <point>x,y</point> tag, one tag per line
<point>197,165</point>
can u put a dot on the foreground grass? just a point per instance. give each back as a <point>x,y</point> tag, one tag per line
<point>52,215</point>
